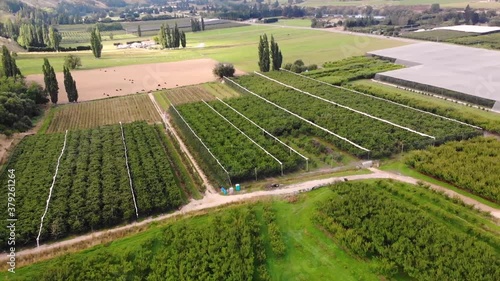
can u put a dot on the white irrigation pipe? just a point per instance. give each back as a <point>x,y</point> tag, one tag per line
<point>128,170</point>
<point>386,100</point>
<point>51,188</point>
<point>264,130</point>
<point>208,149</point>
<point>300,117</point>
<point>243,133</point>
<point>346,107</point>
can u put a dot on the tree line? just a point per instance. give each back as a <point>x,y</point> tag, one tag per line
<point>197,25</point>
<point>269,54</point>
<point>52,86</point>
<point>171,38</point>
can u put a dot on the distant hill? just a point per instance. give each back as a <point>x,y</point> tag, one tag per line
<point>96,3</point>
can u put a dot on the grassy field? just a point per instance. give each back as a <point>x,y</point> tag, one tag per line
<point>103,112</point>
<point>304,22</point>
<point>236,45</point>
<point>487,120</point>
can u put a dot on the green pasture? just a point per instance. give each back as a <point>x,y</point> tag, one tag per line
<point>236,45</point>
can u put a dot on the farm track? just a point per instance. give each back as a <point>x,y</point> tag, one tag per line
<point>212,200</point>
<point>184,149</point>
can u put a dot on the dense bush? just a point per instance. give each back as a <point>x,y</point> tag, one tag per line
<point>223,69</point>
<point>61,49</point>
<point>473,165</point>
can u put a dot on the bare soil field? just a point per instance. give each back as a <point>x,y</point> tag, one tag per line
<point>124,80</point>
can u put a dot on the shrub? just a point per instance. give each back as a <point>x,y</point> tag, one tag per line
<point>223,69</point>
<point>72,61</point>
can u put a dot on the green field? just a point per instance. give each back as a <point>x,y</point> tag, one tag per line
<point>437,35</point>
<point>304,22</point>
<point>296,225</point>
<point>236,45</point>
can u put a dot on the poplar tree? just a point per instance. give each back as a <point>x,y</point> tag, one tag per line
<point>177,37</point>
<point>202,24</point>
<point>139,32</point>
<point>10,68</point>
<point>54,38</point>
<point>276,56</point>
<point>49,77</point>
<point>265,57</point>
<point>183,39</point>
<point>96,42</point>
<point>70,85</point>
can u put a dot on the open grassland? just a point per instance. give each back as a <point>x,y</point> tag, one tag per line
<point>477,171</point>
<point>93,182</point>
<point>103,112</point>
<point>236,45</point>
<point>487,120</point>
<point>304,237</point>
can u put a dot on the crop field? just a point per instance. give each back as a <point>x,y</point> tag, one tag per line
<point>477,172</point>
<point>487,120</point>
<point>92,185</point>
<point>365,135</point>
<point>306,237</point>
<point>377,220</point>
<point>244,151</point>
<point>437,35</point>
<point>189,94</point>
<point>70,38</point>
<point>489,41</point>
<point>350,69</point>
<point>441,129</point>
<point>103,112</point>
<point>237,45</point>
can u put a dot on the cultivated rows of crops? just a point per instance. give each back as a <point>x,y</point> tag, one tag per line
<point>92,188</point>
<point>410,230</point>
<point>473,165</point>
<point>188,94</point>
<point>350,69</point>
<point>380,138</point>
<point>441,129</point>
<point>245,154</point>
<point>103,112</point>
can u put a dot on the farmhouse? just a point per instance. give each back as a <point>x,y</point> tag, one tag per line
<point>463,73</point>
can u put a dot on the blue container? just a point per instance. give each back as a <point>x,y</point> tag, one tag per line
<point>224,191</point>
<point>237,187</point>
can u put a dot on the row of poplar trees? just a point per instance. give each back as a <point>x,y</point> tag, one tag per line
<point>171,38</point>
<point>52,87</point>
<point>96,42</point>
<point>269,54</point>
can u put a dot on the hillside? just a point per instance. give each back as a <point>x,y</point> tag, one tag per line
<point>96,3</point>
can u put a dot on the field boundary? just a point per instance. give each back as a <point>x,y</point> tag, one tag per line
<point>300,117</point>
<point>243,133</point>
<point>386,100</point>
<point>51,188</point>
<point>201,141</point>
<point>128,171</point>
<point>265,131</point>
<point>348,108</point>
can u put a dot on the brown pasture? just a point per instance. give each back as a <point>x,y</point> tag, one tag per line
<point>124,80</point>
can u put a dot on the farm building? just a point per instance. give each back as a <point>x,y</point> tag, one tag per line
<point>461,73</point>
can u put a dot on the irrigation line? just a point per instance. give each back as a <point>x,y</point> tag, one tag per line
<point>346,107</point>
<point>51,188</point>
<point>386,100</point>
<point>208,149</point>
<point>243,133</point>
<point>128,170</point>
<point>300,117</point>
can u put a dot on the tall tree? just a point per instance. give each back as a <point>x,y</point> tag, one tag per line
<point>468,14</point>
<point>70,85</point>
<point>276,56</point>
<point>261,54</point>
<point>96,42</point>
<point>162,37</point>
<point>139,32</point>
<point>49,77</point>
<point>54,38</point>
<point>183,39</point>
<point>10,68</point>
<point>202,24</point>
<point>265,58</point>
<point>177,37</point>
<point>168,37</point>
